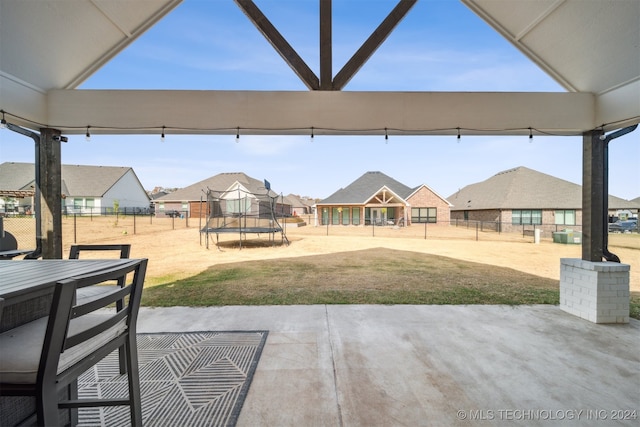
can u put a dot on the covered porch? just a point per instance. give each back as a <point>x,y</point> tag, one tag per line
<point>427,365</point>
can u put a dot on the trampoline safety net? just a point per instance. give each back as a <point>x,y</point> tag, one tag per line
<point>242,212</point>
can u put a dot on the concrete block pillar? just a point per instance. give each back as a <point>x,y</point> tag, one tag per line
<point>595,291</point>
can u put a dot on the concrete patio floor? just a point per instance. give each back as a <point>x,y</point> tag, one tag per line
<point>373,365</point>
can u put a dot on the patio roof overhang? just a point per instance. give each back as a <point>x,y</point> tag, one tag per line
<point>589,47</point>
<point>328,112</point>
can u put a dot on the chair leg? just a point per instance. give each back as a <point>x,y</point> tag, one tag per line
<point>47,406</point>
<point>72,394</point>
<point>122,358</point>
<point>122,355</point>
<point>133,376</point>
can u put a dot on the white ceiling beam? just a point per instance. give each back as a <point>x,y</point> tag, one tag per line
<point>328,112</point>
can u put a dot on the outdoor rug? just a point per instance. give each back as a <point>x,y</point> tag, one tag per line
<point>187,379</point>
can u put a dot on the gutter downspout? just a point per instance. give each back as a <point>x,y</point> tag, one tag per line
<point>605,240</point>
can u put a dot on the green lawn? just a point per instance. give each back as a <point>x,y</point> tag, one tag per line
<point>373,276</point>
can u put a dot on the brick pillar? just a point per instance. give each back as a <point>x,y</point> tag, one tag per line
<point>595,291</point>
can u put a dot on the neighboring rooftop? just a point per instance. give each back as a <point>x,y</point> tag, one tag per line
<point>524,188</point>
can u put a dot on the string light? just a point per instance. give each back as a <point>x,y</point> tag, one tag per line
<point>458,134</point>
<point>299,130</point>
<point>238,134</point>
<point>530,135</point>
<point>311,133</point>
<point>3,122</point>
<point>87,136</point>
<point>162,135</point>
<point>386,136</point>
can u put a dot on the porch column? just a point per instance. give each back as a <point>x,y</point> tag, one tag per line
<point>591,288</point>
<point>593,195</point>
<point>49,186</point>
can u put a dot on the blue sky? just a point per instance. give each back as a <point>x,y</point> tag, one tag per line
<point>439,46</point>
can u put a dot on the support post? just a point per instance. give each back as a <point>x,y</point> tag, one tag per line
<point>49,173</point>
<point>593,202</point>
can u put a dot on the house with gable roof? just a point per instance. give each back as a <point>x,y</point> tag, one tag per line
<point>521,197</point>
<point>299,205</point>
<point>191,201</point>
<point>378,199</point>
<point>86,190</point>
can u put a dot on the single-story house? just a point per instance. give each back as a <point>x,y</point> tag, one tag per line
<point>299,205</point>
<point>376,198</point>
<point>86,190</point>
<point>519,198</point>
<point>191,201</point>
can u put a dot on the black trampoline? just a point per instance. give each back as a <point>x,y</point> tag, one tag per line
<point>237,210</point>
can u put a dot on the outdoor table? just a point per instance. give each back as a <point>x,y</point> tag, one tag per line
<point>10,254</point>
<point>27,287</point>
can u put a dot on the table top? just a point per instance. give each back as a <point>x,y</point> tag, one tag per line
<point>24,277</point>
<point>10,254</point>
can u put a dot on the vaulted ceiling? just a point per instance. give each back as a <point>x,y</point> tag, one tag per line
<point>49,47</point>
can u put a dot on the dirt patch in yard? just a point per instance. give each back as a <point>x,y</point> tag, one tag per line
<point>177,250</point>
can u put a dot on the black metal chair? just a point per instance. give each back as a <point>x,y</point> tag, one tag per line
<point>88,293</point>
<point>44,358</point>
<point>124,249</point>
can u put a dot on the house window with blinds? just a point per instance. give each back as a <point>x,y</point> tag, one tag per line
<point>429,215</point>
<point>565,217</point>
<point>526,217</point>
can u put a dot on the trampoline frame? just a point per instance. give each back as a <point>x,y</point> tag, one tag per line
<point>233,220</point>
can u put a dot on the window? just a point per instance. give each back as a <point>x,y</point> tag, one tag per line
<point>90,203</point>
<point>565,217</point>
<point>345,216</point>
<point>335,216</point>
<point>356,216</point>
<point>424,215</point>
<point>78,204</point>
<point>238,205</point>
<point>526,217</point>
<point>325,216</point>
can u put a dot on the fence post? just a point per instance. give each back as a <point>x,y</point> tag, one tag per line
<point>134,221</point>
<point>425,231</point>
<point>476,231</point>
<point>75,229</point>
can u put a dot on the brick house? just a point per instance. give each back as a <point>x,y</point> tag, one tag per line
<point>522,198</point>
<point>376,198</point>
<point>191,201</point>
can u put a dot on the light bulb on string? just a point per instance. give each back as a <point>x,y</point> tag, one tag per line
<point>312,135</point>
<point>530,135</point>
<point>87,136</point>
<point>458,134</point>
<point>386,136</point>
<point>238,134</point>
<point>3,122</point>
<point>162,135</point>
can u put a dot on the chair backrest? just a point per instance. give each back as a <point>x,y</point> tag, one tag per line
<point>8,242</point>
<point>77,337</point>
<point>74,252</point>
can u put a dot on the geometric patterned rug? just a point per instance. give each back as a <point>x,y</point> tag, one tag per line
<point>187,379</point>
